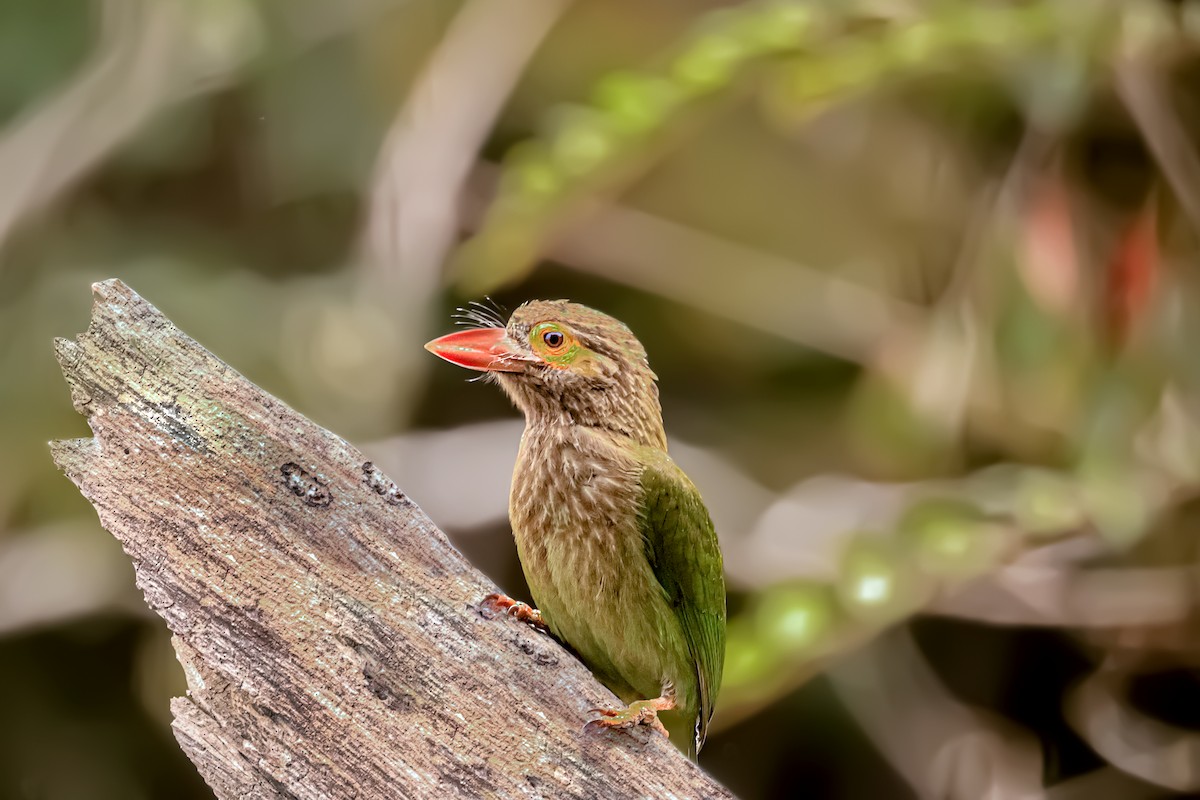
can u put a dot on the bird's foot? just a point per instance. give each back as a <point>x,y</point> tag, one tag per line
<point>502,603</point>
<point>641,712</point>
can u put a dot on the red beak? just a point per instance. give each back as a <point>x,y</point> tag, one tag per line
<point>482,349</point>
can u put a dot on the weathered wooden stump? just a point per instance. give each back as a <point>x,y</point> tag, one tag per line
<point>328,630</point>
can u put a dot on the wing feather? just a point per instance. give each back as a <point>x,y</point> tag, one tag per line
<point>681,546</point>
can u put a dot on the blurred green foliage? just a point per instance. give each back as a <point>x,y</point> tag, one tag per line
<point>934,245</point>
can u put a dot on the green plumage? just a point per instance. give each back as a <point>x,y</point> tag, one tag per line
<point>615,542</point>
<point>681,547</point>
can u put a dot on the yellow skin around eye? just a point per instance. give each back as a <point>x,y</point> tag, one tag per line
<point>559,357</point>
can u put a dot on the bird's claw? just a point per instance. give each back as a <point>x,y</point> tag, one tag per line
<point>502,603</point>
<point>642,712</point>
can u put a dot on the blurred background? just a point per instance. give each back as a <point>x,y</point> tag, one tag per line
<point>918,278</point>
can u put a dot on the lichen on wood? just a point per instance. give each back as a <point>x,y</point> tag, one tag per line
<point>329,632</point>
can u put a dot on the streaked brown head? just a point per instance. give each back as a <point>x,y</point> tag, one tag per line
<point>563,363</point>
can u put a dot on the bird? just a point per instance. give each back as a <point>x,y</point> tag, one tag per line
<point>616,544</point>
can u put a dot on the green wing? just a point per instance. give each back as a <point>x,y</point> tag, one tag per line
<point>681,546</point>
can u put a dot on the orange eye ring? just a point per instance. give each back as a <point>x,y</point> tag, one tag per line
<point>552,343</point>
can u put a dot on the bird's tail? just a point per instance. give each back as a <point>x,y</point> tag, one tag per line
<point>697,739</point>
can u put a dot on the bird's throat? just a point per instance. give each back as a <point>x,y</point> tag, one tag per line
<point>623,412</point>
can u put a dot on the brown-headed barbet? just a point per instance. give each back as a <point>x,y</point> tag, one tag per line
<point>615,542</point>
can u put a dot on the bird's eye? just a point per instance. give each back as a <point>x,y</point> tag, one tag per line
<point>555,346</point>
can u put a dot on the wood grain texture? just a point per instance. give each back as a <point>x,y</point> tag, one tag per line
<point>328,630</point>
